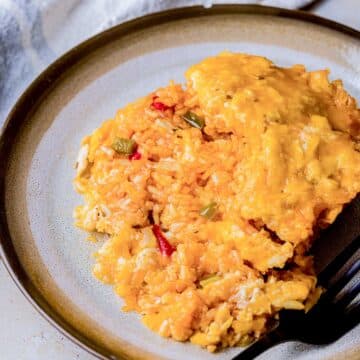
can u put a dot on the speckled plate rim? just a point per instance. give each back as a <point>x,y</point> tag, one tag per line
<point>44,82</point>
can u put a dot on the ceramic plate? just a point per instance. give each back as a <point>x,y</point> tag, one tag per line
<point>47,256</point>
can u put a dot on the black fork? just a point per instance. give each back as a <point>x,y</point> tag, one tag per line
<point>330,318</point>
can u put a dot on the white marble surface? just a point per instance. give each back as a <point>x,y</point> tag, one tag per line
<point>24,334</point>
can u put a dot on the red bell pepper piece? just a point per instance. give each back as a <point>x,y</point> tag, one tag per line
<point>165,247</point>
<point>159,105</point>
<point>135,156</point>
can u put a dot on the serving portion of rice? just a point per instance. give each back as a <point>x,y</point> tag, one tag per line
<point>211,195</point>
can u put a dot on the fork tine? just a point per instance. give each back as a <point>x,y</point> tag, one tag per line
<point>349,296</point>
<point>351,316</point>
<point>331,270</point>
<point>354,312</point>
<point>334,289</point>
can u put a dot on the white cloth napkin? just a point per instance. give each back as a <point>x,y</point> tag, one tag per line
<point>33,33</point>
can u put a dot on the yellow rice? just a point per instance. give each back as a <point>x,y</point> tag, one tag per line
<point>279,156</point>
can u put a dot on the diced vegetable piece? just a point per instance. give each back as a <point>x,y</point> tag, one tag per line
<point>135,156</point>
<point>158,105</point>
<point>209,279</point>
<point>209,210</point>
<point>165,247</point>
<point>194,120</point>
<point>124,146</point>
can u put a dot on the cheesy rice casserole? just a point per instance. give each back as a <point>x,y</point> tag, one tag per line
<point>212,195</point>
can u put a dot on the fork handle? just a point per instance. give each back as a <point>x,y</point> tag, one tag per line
<point>266,342</point>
